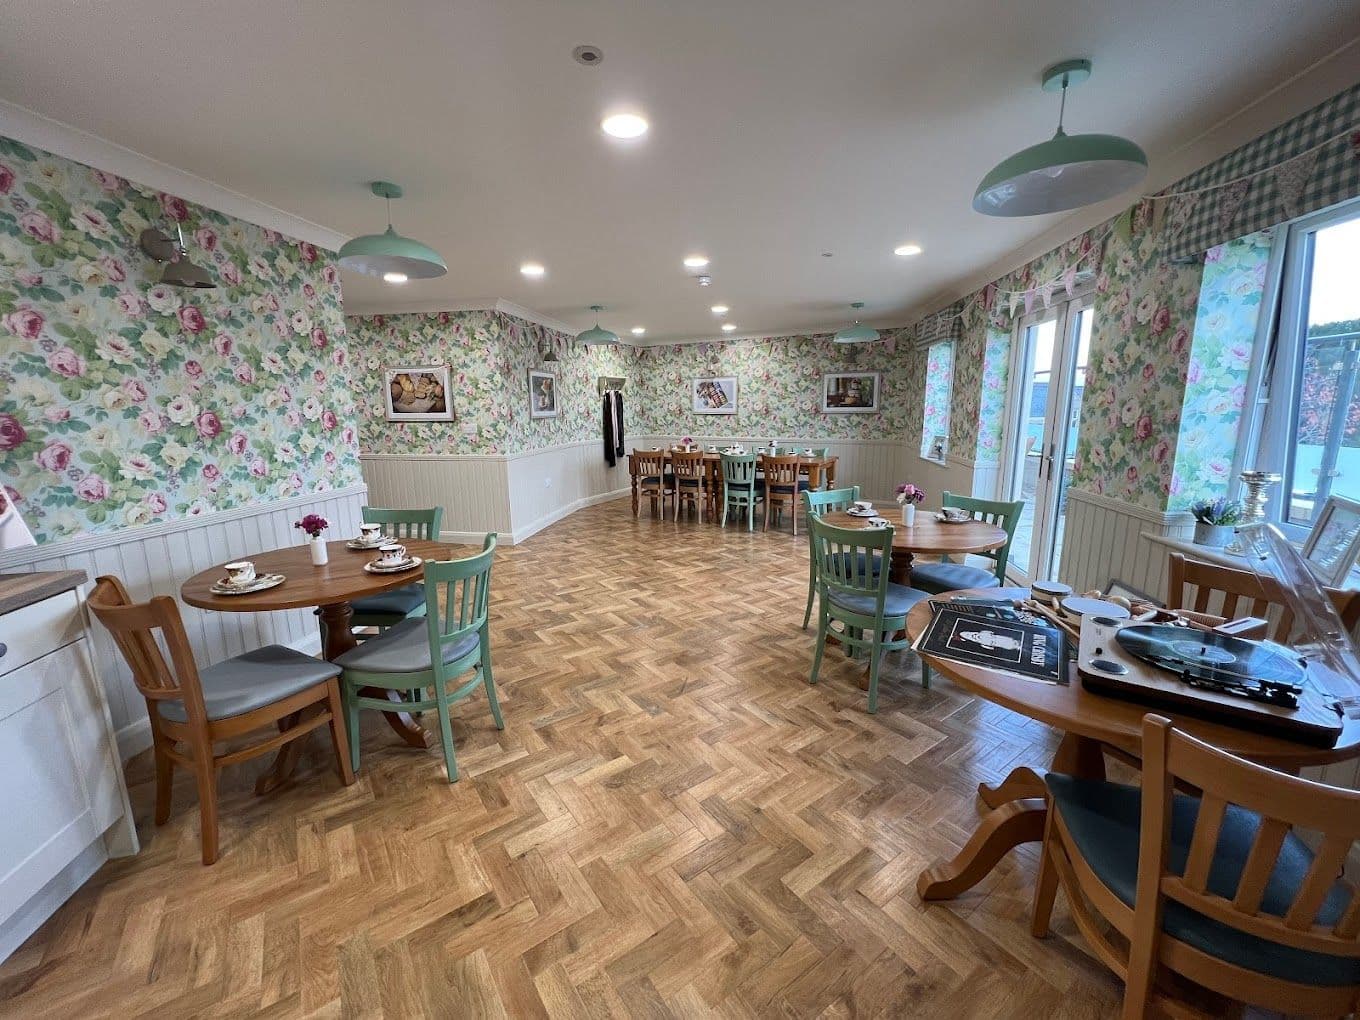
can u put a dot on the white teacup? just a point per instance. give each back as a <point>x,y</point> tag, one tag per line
<point>954,513</point>
<point>391,554</point>
<point>240,573</point>
<point>863,505</point>
<point>369,532</point>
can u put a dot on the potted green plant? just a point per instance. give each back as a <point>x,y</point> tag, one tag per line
<point>1214,520</point>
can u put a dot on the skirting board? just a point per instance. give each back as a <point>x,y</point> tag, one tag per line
<point>534,527</point>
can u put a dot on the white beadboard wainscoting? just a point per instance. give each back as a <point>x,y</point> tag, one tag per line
<point>473,490</point>
<point>875,465</point>
<point>1103,539</point>
<point>547,485</point>
<point>157,559</point>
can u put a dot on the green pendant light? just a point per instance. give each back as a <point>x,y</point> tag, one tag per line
<point>595,336</point>
<point>1065,172</point>
<point>389,255</point>
<point>858,333</point>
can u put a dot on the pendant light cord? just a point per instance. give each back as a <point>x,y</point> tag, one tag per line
<point>1062,108</point>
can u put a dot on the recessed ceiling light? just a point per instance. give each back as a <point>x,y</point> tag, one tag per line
<point>719,309</point>
<point>907,249</point>
<point>728,327</point>
<point>639,330</point>
<point>624,125</point>
<point>533,269</point>
<point>394,277</point>
<point>696,261</point>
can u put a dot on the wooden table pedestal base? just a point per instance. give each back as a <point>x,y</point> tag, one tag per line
<point>1016,814</point>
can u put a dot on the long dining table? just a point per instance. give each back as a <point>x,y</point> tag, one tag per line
<point>817,469</point>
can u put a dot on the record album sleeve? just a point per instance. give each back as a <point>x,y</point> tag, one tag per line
<point>1034,652</point>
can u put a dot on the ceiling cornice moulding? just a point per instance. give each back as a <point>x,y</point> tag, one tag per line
<point>53,136</point>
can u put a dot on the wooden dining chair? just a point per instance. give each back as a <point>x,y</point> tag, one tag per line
<point>947,575</point>
<point>741,489</point>
<point>871,610</point>
<point>1217,888</point>
<point>430,653</point>
<point>782,486</point>
<point>191,709</point>
<point>689,481</point>
<point>825,502</point>
<point>391,607</point>
<point>654,481</point>
<point>1231,593</point>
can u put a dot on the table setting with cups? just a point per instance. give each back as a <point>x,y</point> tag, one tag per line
<point>241,579</point>
<point>864,509</point>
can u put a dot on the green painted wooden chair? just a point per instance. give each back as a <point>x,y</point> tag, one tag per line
<point>850,593</point>
<point>949,576</point>
<point>391,607</point>
<point>823,502</point>
<point>433,652</point>
<point>741,488</point>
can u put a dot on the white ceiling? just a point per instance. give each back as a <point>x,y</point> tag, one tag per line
<point>780,129</point>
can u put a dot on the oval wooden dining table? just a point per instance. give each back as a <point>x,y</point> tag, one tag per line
<point>1090,723</point>
<point>331,589</point>
<point>928,536</point>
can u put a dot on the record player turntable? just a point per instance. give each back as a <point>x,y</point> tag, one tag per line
<point>1291,692</point>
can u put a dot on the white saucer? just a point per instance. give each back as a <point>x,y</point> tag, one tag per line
<point>879,522</point>
<point>374,567</point>
<point>355,543</point>
<point>260,583</point>
<point>946,520</point>
<point>862,513</point>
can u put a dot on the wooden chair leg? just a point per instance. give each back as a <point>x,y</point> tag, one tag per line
<point>822,622</point>
<point>206,776</point>
<point>875,658</point>
<point>352,725</point>
<point>489,682</point>
<point>1047,887</point>
<point>766,526</point>
<point>165,775</point>
<point>339,737</point>
<point>446,731</point>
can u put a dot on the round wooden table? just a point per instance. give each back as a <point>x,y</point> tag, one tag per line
<point>927,535</point>
<point>1089,723</point>
<point>331,588</point>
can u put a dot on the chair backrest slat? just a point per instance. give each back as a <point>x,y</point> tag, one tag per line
<point>781,472</point>
<point>1237,586</point>
<point>1313,919</point>
<point>417,524</point>
<point>688,466</point>
<point>1005,514</point>
<point>845,558</point>
<point>739,469</point>
<point>465,587</point>
<point>828,500</point>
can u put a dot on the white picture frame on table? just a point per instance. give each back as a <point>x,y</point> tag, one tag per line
<point>714,394</point>
<point>850,393</point>
<point>417,393</point>
<point>1332,546</point>
<point>542,394</point>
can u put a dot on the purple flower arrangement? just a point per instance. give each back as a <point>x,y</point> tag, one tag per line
<point>313,524</point>
<point>909,494</point>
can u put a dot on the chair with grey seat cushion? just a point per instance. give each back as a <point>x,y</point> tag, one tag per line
<point>949,576</point>
<point>274,688</point>
<point>870,608</point>
<point>432,652</point>
<point>824,502</point>
<point>391,607</point>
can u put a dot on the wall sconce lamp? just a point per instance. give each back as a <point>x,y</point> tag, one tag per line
<point>179,271</point>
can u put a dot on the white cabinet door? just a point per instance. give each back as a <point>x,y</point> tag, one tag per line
<point>61,789</point>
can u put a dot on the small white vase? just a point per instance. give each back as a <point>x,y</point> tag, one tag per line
<point>908,515</point>
<point>319,554</point>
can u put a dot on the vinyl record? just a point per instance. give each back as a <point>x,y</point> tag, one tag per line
<point>1208,655</point>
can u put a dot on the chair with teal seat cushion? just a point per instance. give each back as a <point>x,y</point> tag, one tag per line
<point>1217,887</point>
<point>949,576</point>
<point>851,594</point>
<point>741,488</point>
<point>824,502</point>
<point>432,653</point>
<point>391,607</point>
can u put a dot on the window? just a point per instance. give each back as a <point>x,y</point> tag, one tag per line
<point>939,391</point>
<point>1311,428</point>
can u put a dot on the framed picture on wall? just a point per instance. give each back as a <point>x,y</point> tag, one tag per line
<point>419,393</point>
<point>849,392</point>
<point>1333,544</point>
<point>714,395</point>
<point>542,394</point>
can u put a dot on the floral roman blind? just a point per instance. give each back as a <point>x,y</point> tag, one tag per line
<point>1305,164</point>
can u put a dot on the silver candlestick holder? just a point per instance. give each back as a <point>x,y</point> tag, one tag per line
<point>1253,503</point>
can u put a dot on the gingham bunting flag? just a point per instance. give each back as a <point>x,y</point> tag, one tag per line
<point>1291,178</point>
<point>1229,201</point>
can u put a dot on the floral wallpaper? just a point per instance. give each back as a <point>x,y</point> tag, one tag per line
<point>489,354</point>
<point>1140,353</point>
<point>1220,358</point>
<point>939,384</point>
<point>124,402</point>
<point>779,392</point>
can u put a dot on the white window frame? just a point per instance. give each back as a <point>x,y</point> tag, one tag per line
<point>1269,421</point>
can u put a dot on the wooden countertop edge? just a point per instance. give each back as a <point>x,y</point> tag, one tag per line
<point>20,590</point>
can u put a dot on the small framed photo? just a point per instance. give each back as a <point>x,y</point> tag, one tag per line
<point>419,393</point>
<point>542,394</point>
<point>850,392</point>
<point>1334,542</point>
<point>714,395</point>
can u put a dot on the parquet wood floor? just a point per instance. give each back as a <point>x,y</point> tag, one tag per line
<point>673,823</point>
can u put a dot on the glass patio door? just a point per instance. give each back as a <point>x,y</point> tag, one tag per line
<point>1049,361</point>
